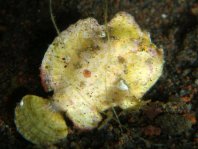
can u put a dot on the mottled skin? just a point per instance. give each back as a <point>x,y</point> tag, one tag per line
<point>91,68</point>
<point>128,56</point>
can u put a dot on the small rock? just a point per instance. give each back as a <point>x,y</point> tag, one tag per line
<point>151,131</point>
<point>186,72</point>
<point>186,57</point>
<point>191,117</point>
<point>196,81</point>
<point>194,9</point>
<point>164,16</point>
<point>183,92</point>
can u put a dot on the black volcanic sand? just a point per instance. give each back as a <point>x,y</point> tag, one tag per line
<point>168,121</point>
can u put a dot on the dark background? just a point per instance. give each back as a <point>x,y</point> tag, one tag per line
<point>169,121</point>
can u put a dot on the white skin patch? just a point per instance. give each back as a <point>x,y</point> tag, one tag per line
<point>67,59</point>
<point>135,46</point>
<point>21,103</point>
<point>122,86</point>
<point>102,34</point>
